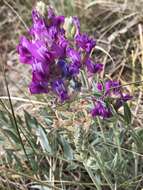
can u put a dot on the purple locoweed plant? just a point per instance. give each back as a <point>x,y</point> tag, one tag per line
<point>58,51</point>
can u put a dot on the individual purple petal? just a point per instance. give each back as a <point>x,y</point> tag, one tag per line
<point>73,69</point>
<point>116,87</point>
<point>54,20</point>
<point>38,87</point>
<point>86,43</point>
<point>40,71</point>
<point>101,110</point>
<point>58,20</point>
<point>35,16</point>
<point>108,86</point>
<point>92,67</point>
<point>51,13</point>
<point>63,96</point>
<point>74,66</point>
<point>120,102</point>
<point>55,33</point>
<point>52,33</point>
<point>112,86</point>
<point>99,86</point>
<point>74,55</point>
<point>126,97</point>
<point>24,53</point>
<point>63,42</point>
<point>95,112</point>
<point>59,88</point>
<point>77,24</point>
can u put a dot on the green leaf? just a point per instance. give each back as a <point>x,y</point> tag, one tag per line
<point>31,121</point>
<point>4,119</point>
<point>18,162</point>
<point>12,135</point>
<point>43,139</point>
<point>67,150</point>
<point>97,94</point>
<point>115,161</point>
<point>127,113</point>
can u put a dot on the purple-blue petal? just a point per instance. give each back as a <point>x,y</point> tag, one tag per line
<point>112,86</point>
<point>59,88</point>
<point>93,67</point>
<point>64,69</point>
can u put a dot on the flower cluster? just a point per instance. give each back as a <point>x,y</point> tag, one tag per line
<point>110,90</point>
<point>57,51</point>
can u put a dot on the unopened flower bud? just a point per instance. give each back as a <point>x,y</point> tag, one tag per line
<point>69,27</point>
<point>41,8</point>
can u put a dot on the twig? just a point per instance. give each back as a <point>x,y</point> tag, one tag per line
<point>13,10</point>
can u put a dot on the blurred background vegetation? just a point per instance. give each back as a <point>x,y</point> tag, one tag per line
<point>114,156</point>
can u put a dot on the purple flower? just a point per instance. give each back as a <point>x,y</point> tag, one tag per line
<point>29,51</point>
<point>39,28</point>
<point>54,20</point>
<point>126,97</point>
<point>84,42</point>
<point>110,87</point>
<point>45,30</point>
<point>59,88</point>
<point>92,67</point>
<point>38,87</point>
<point>113,86</point>
<point>101,110</point>
<point>120,102</point>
